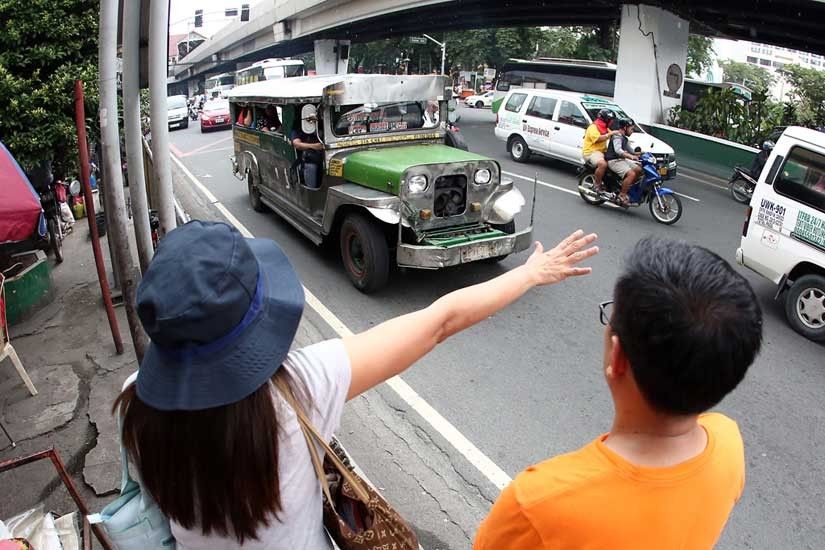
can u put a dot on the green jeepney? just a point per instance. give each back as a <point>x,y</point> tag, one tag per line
<point>387,185</point>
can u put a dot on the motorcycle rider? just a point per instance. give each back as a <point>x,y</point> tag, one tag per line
<point>621,158</point>
<point>595,145</point>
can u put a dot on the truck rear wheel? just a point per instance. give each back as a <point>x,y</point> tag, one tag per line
<point>805,307</point>
<point>365,253</point>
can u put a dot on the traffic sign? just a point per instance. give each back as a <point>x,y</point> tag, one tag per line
<point>418,40</point>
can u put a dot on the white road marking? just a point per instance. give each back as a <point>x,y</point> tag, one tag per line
<point>473,454</point>
<point>688,197</point>
<point>551,186</point>
<point>682,173</point>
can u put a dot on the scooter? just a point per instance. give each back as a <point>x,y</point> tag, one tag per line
<point>665,206</point>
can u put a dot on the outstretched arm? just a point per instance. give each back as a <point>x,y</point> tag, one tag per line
<point>391,347</point>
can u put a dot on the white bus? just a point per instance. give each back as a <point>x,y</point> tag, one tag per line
<point>270,69</point>
<point>219,85</point>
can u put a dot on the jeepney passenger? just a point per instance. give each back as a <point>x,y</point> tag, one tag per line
<point>269,121</point>
<point>310,154</point>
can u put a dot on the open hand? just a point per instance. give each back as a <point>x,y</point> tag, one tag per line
<point>556,265</point>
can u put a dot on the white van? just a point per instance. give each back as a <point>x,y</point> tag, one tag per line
<point>783,238</point>
<point>178,114</point>
<point>552,123</point>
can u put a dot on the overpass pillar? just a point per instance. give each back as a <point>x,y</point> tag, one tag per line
<point>331,56</point>
<point>651,65</point>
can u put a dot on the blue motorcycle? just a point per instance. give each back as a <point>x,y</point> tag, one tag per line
<point>665,206</point>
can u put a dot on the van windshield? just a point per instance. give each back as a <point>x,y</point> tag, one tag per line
<point>380,118</point>
<point>176,102</point>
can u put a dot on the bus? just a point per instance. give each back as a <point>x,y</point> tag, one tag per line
<point>219,85</point>
<point>269,69</point>
<point>588,77</point>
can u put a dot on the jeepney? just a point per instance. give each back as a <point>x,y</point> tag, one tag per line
<point>390,189</point>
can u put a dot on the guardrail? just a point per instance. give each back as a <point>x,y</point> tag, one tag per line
<point>707,154</point>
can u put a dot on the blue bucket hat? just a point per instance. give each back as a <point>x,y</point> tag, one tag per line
<point>221,312</point>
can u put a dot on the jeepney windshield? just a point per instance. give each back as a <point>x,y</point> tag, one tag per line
<point>380,118</point>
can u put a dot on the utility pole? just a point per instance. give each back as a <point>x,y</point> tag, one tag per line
<point>115,204</point>
<point>443,46</point>
<point>131,122</point>
<point>158,50</point>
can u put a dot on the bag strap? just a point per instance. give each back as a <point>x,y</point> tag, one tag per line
<point>310,433</point>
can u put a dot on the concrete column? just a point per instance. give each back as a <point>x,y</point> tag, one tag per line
<point>331,56</point>
<point>651,66</point>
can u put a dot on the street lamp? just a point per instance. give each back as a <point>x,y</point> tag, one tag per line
<point>443,46</point>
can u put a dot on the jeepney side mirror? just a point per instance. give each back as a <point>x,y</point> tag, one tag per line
<point>309,116</point>
<point>452,111</point>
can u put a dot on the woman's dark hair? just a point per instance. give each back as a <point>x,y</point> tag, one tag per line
<point>689,324</point>
<point>214,469</point>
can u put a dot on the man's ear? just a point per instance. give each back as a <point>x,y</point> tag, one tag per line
<point>618,360</point>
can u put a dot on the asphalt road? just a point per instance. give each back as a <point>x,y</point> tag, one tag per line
<point>527,384</point>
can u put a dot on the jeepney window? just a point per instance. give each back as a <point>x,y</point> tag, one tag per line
<point>243,116</point>
<point>380,118</point>
<point>268,118</point>
<point>802,178</point>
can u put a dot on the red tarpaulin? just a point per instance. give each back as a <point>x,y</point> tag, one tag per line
<point>20,212</point>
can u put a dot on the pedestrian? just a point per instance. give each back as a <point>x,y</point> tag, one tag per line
<point>680,333</point>
<point>219,451</point>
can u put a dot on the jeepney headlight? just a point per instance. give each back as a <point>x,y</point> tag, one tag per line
<point>417,184</point>
<point>482,177</point>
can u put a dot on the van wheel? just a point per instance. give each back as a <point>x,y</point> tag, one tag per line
<point>805,307</point>
<point>365,253</point>
<point>509,228</point>
<point>254,196</point>
<point>479,104</point>
<point>519,150</point>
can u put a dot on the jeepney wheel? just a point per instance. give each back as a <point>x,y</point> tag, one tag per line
<point>254,196</point>
<point>805,307</point>
<point>509,228</point>
<point>365,253</point>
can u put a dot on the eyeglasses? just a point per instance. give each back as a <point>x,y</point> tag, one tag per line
<point>605,312</point>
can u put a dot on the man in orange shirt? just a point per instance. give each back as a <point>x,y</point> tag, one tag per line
<point>681,332</point>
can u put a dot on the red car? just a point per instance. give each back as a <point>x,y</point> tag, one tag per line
<point>215,115</point>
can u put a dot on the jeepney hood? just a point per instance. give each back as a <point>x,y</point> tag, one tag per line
<point>383,168</point>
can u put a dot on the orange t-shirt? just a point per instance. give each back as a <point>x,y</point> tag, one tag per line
<point>594,499</point>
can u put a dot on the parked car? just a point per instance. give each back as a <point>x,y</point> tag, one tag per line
<point>384,184</point>
<point>783,238</point>
<point>215,115</point>
<point>178,111</point>
<point>480,101</point>
<point>551,123</point>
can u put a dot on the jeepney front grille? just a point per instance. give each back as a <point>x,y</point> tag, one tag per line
<point>450,196</point>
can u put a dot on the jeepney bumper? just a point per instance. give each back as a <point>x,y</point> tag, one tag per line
<point>435,257</point>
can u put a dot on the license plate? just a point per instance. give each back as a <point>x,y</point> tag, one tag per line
<point>663,171</point>
<point>220,119</point>
<point>481,251</point>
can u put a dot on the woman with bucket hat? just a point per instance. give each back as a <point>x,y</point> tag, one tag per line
<point>217,448</point>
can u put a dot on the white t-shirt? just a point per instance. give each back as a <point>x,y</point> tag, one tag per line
<point>324,370</point>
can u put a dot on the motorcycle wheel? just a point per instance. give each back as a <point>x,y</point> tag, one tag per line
<point>55,240</point>
<point>671,212</point>
<point>587,182</point>
<point>741,191</point>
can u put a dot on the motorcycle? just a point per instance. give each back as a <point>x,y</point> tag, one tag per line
<point>193,114</point>
<point>664,205</point>
<point>743,181</point>
<point>43,182</point>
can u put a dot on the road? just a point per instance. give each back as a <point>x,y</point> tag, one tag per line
<point>527,383</point>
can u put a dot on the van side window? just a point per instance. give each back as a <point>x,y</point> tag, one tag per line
<point>570,113</point>
<point>515,102</point>
<point>802,178</point>
<point>542,107</point>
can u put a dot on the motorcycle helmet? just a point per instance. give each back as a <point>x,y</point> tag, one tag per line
<point>606,115</point>
<point>625,122</point>
<point>768,145</point>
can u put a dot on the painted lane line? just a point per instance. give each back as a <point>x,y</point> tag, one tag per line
<point>202,147</point>
<point>444,427</point>
<point>551,186</point>
<point>682,174</point>
<point>688,197</point>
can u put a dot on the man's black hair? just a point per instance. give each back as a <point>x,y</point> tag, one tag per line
<point>689,324</point>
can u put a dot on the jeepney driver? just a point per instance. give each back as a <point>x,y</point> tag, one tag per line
<point>310,153</point>
<point>431,114</point>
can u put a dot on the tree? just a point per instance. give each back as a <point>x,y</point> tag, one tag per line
<point>700,54</point>
<point>755,78</point>
<point>808,94</point>
<point>44,46</point>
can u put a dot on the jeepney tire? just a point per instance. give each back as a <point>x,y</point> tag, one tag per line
<point>808,289</point>
<point>519,151</point>
<point>371,241</point>
<point>254,196</point>
<point>509,228</point>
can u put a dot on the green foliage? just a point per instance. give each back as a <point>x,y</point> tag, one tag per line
<point>724,114</point>
<point>45,45</point>
<point>808,94</point>
<point>755,78</point>
<point>700,54</point>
